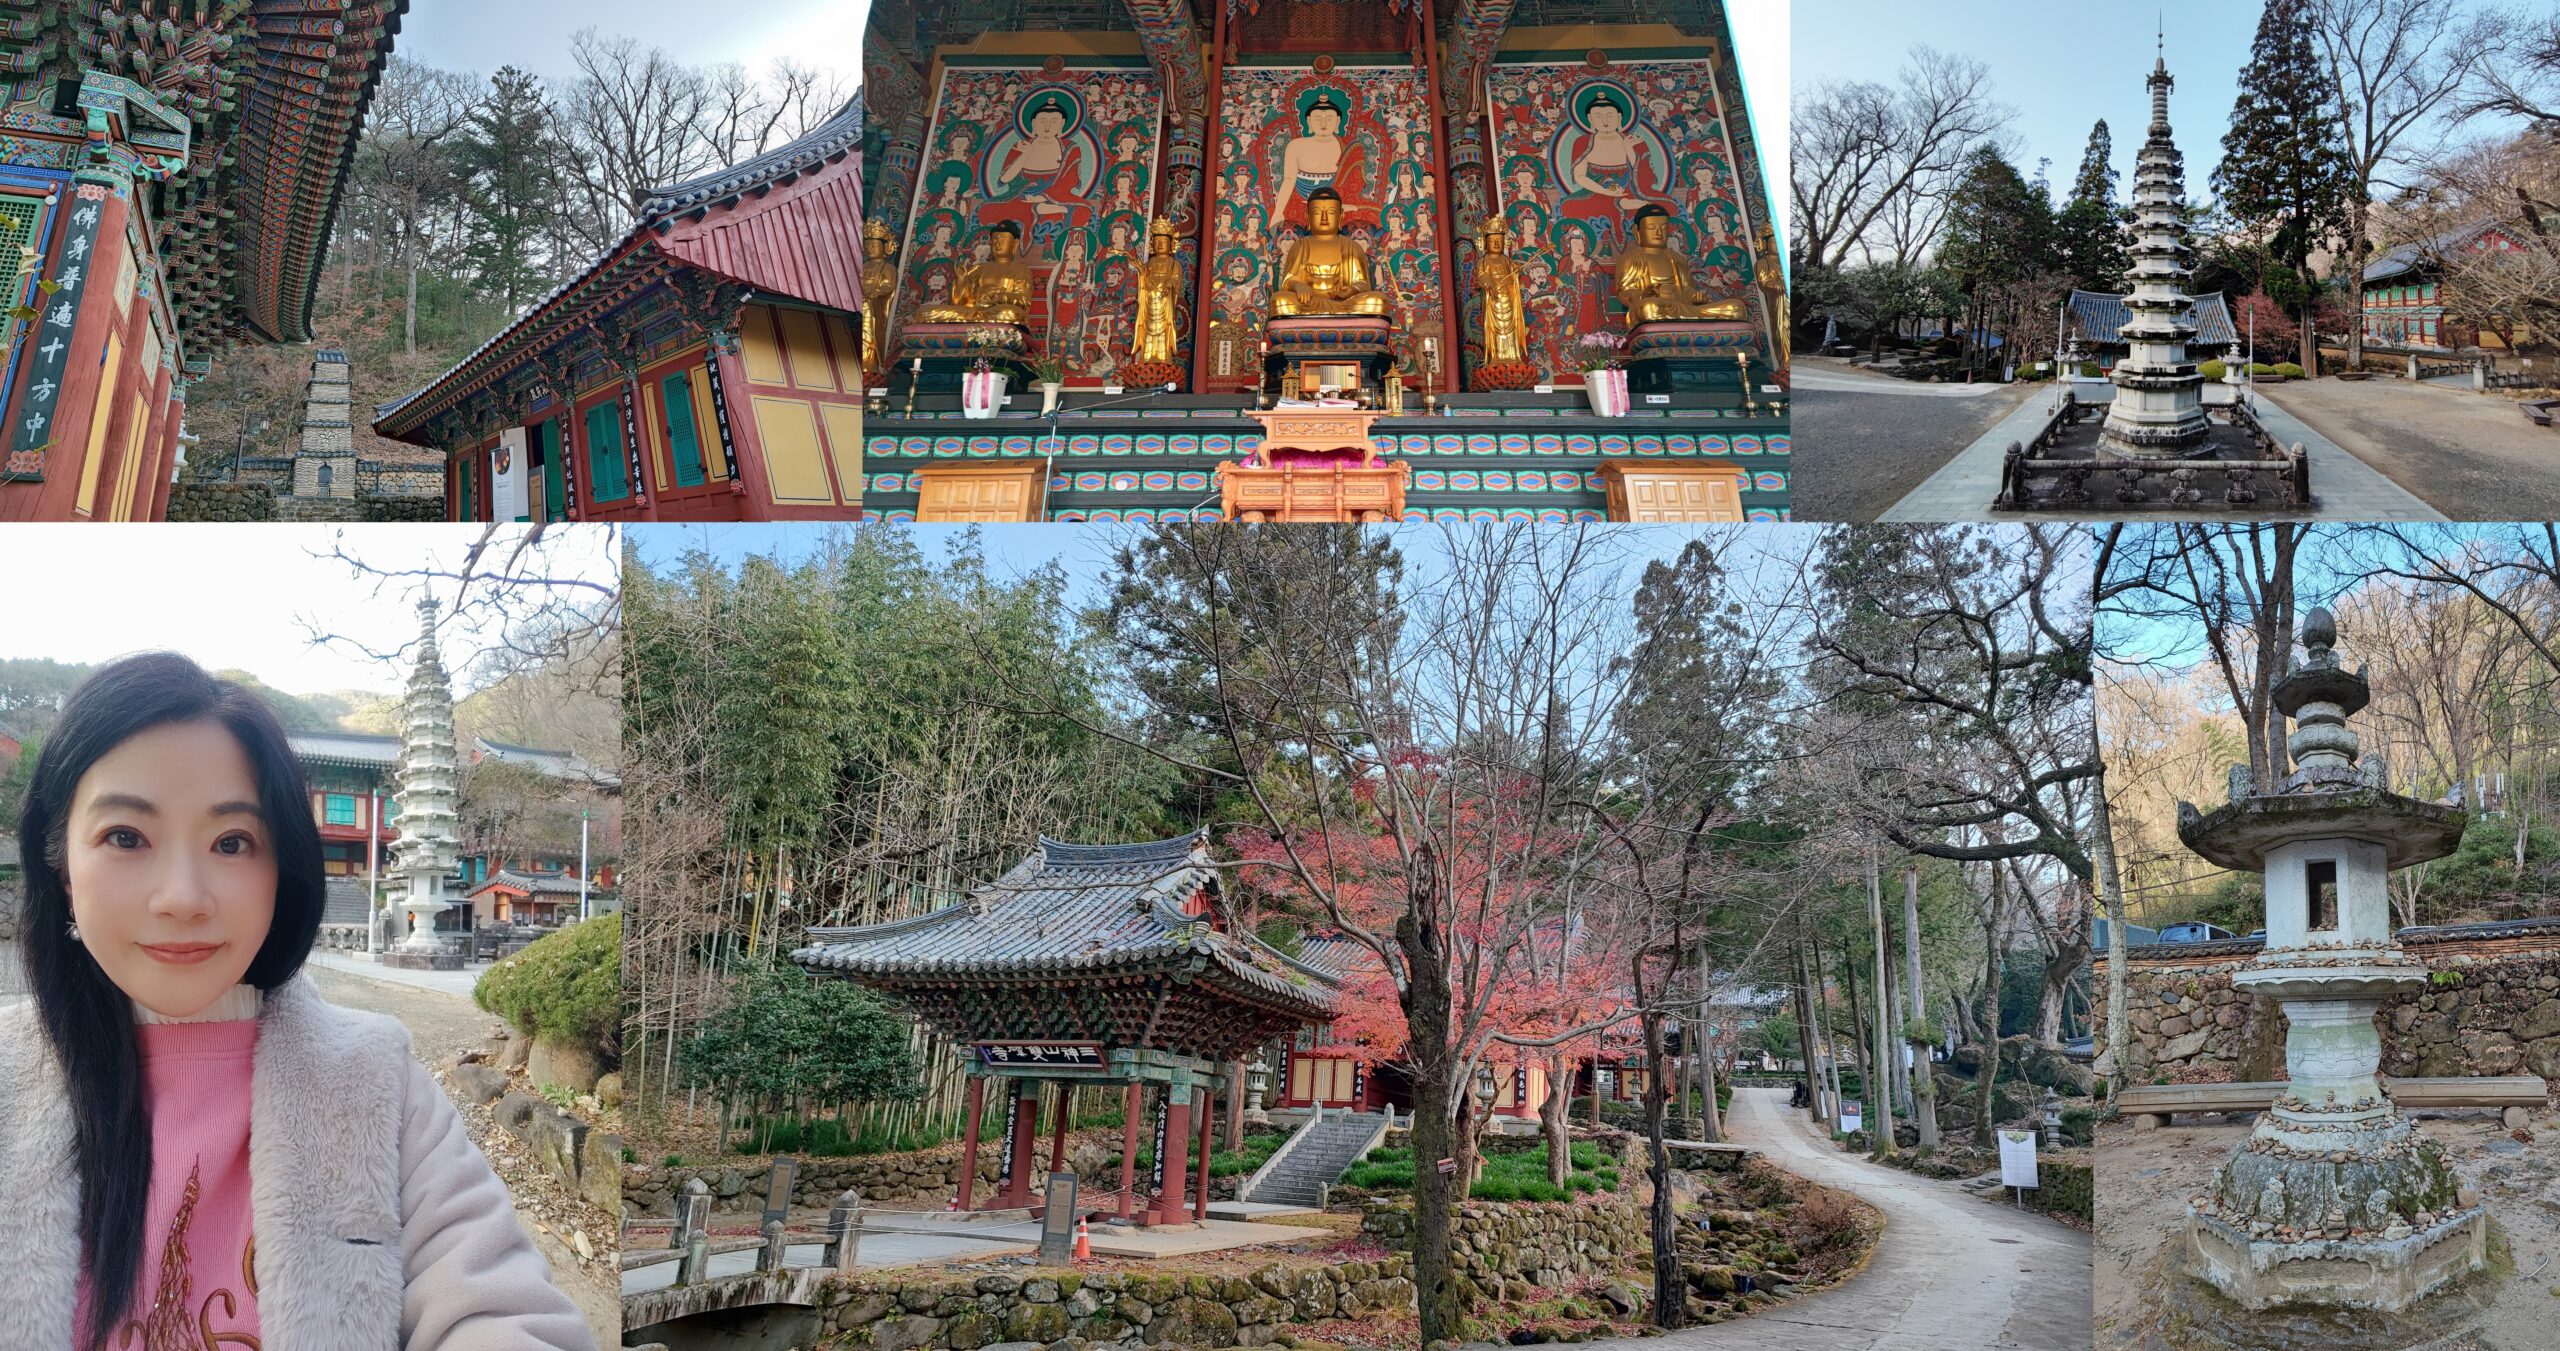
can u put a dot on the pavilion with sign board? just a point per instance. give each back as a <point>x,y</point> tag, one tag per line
<point>1090,965</point>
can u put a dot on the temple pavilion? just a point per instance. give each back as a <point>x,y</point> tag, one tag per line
<point>703,368</point>
<point>1100,968</point>
<point>1023,154</point>
<point>168,178</point>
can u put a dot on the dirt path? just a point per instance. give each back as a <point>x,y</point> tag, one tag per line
<point>2145,1178</point>
<point>441,1026</point>
<point>1953,1272</point>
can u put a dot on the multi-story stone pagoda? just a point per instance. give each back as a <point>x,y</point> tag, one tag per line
<point>2335,1198</point>
<point>423,861</point>
<point>2158,412</point>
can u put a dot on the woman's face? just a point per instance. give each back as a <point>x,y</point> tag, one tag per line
<point>171,870</point>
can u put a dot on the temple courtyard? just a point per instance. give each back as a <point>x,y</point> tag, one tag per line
<point>1895,450</point>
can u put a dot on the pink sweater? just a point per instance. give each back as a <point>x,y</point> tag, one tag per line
<point>197,1288</point>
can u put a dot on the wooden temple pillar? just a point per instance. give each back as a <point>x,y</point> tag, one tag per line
<point>1200,1207</point>
<point>1451,344</point>
<point>969,1144</point>
<point>1129,1148</point>
<point>1213,142</point>
<point>1021,1137</point>
<point>1173,1158</point>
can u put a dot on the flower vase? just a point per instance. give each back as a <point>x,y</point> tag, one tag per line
<point>1049,392</point>
<point>1607,390</point>
<point>981,393</point>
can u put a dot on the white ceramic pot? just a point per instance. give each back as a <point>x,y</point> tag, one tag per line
<point>1607,390</point>
<point>1049,392</point>
<point>981,393</point>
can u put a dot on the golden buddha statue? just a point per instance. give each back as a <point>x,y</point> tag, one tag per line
<point>997,291</point>
<point>1326,272</point>
<point>1158,337</point>
<point>1506,325</point>
<point>1654,282</point>
<point>879,282</point>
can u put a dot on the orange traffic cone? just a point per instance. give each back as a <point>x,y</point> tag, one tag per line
<point>1084,1240</point>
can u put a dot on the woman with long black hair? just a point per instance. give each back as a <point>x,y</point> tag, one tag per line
<point>200,1151</point>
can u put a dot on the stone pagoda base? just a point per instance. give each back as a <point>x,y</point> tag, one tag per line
<point>403,959</point>
<point>2362,1212</point>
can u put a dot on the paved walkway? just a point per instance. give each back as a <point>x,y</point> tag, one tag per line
<point>456,983</point>
<point>2472,456</point>
<point>2343,486</point>
<point>1953,1272</point>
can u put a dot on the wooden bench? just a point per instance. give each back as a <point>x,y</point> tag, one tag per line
<point>2152,1105</point>
<point>2538,409</point>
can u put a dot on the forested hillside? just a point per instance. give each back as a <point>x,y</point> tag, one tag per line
<point>474,194</point>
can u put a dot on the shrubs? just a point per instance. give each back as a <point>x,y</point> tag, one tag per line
<point>2214,370</point>
<point>566,987</point>
<point>1517,1176</point>
<point>2289,370</point>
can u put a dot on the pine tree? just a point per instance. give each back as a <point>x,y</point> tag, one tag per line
<point>2284,172</point>
<point>507,155</point>
<point>2090,228</point>
<point>2000,237</point>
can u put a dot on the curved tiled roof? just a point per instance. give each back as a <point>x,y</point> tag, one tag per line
<point>2419,252</point>
<point>2100,315</point>
<point>1070,911</point>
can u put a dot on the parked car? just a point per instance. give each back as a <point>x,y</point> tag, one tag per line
<point>2195,932</point>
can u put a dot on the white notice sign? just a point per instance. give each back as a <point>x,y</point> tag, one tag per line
<point>2018,1158</point>
<point>1850,1121</point>
<point>507,500</point>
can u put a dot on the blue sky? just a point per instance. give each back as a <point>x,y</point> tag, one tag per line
<point>2062,67</point>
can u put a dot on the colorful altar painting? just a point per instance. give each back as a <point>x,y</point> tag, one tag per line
<point>1068,156</point>
<point>1365,132</point>
<point>1578,150</point>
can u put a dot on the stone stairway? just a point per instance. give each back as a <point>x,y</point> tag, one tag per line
<point>1317,1160</point>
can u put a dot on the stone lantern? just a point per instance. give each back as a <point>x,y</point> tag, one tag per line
<point>2334,1198</point>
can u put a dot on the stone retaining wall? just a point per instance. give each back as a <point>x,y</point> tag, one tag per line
<point>2496,1011</point>
<point>1044,1306</point>
<point>931,1175</point>
<point>231,502</point>
<point>1511,1250</point>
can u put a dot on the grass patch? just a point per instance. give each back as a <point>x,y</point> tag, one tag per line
<point>827,1137</point>
<point>1257,1151</point>
<point>1520,1176</point>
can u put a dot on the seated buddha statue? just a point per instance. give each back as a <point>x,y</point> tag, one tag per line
<point>1654,281</point>
<point>1327,272</point>
<point>997,291</point>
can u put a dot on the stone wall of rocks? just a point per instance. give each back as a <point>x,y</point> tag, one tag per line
<point>312,509</point>
<point>2485,1015</point>
<point>238,503</point>
<point>404,509</point>
<point>880,1179</point>
<point>1043,1306</point>
<point>1513,1249</point>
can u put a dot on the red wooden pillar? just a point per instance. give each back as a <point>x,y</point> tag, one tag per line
<point>1210,144</point>
<point>1022,1136</point>
<point>1200,1207</point>
<point>1452,304</point>
<point>84,378</point>
<point>1130,1106</point>
<point>969,1143</point>
<point>1174,1161</point>
<point>746,449</point>
<point>1058,1133</point>
<point>168,448</point>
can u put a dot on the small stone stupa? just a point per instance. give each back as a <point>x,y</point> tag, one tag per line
<point>424,860</point>
<point>324,459</point>
<point>2158,411</point>
<point>2335,1198</point>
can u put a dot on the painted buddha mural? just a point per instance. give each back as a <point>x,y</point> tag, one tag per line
<point>1041,175</point>
<point>1610,167</point>
<point>1320,158</point>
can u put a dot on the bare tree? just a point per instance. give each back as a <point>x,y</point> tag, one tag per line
<point>634,121</point>
<point>2526,83</point>
<point>404,166</point>
<point>2398,65</point>
<point>1870,155</point>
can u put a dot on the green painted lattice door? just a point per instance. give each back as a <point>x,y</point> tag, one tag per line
<point>608,474</point>
<point>684,441</point>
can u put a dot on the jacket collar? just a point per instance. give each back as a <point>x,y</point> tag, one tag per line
<point>324,1176</point>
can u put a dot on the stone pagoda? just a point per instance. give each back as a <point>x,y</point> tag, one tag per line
<point>2158,412</point>
<point>2334,1198</point>
<point>423,862</point>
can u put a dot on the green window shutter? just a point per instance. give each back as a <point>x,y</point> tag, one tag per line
<point>683,442</point>
<point>341,810</point>
<point>608,479</point>
<point>555,505</point>
<point>470,512</point>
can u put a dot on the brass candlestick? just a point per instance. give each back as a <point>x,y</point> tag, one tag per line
<point>1749,408</point>
<point>915,377</point>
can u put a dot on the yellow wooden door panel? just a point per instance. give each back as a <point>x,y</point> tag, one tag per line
<point>844,444</point>
<point>788,431</point>
<point>758,349</point>
<point>807,344</point>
